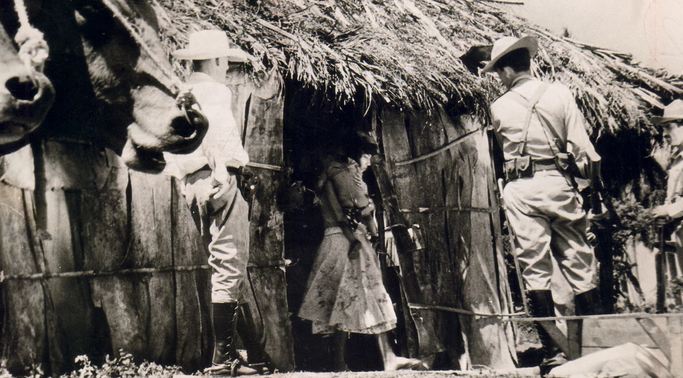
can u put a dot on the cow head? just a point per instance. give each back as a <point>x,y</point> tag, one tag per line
<point>25,97</point>
<point>129,71</point>
<point>112,78</point>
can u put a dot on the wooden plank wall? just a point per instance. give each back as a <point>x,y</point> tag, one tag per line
<point>83,210</point>
<point>258,109</point>
<point>459,266</point>
<point>68,206</point>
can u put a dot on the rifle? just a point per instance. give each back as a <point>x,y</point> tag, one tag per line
<point>497,161</point>
<point>550,327</point>
<point>660,265</point>
<point>596,188</point>
<point>601,236</point>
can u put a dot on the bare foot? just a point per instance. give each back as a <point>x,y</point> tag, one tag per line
<point>403,363</point>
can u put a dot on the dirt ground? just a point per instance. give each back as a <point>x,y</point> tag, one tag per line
<point>405,374</point>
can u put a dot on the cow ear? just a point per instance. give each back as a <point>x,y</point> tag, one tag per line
<point>141,159</point>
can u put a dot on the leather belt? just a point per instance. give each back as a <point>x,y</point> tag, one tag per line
<point>543,165</point>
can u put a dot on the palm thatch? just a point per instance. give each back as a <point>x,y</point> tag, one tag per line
<point>406,53</point>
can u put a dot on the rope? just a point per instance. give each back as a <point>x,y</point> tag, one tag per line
<point>22,13</point>
<point>520,316</point>
<point>508,2</point>
<point>264,166</point>
<point>437,151</point>
<point>122,272</point>
<point>421,210</point>
<point>461,311</point>
<point>94,273</point>
<point>33,50</point>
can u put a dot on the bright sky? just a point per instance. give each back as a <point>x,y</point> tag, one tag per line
<point>651,30</point>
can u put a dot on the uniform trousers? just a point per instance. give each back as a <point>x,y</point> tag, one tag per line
<point>546,217</point>
<point>224,225</point>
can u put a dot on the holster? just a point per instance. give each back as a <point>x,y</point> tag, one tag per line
<point>247,182</point>
<point>566,163</point>
<point>353,217</point>
<point>520,167</point>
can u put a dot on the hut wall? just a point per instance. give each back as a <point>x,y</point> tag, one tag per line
<point>68,206</point>
<point>258,109</point>
<point>83,211</point>
<point>450,196</point>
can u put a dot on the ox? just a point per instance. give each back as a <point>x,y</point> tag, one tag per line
<point>113,89</point>
<point>110,91</point>
<point>25,97</point>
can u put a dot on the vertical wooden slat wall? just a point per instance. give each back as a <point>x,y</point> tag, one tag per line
<point>87,212</point>
<point>80,209</point>
<point>450,197</point>
<point>258,109</point>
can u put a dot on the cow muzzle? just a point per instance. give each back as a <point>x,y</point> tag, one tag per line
<point>182,133</point>
<point>25,100</point>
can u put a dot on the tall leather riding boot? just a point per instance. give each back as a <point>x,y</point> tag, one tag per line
<point>542,305</point>
<point>225,358</point>
<point>586,303</point>
<point>253,341</point>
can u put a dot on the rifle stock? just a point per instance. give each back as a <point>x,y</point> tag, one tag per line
<point>596,187</point>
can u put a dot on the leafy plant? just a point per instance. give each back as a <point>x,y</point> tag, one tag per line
<point>123,365</point>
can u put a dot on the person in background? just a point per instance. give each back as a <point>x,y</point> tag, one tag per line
<point>345,292</point>
<point>543,137</point>
<point>671,212</point>
<point>209,178</point>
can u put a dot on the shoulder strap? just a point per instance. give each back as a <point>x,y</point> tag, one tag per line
<point>531,105</point>
<point>548,126</point>
<point>560,142</point>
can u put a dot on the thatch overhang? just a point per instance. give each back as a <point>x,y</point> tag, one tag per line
<point>406,53</point>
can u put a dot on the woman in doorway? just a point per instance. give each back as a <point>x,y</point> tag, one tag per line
<point>345,292</point>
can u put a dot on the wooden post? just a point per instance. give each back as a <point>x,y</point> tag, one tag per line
<point>660,272</point>
<point>671,272</point>
<point>604,254</point>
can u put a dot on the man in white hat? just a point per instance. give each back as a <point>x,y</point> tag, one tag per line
<point>210,177</point>
<point>672,209</point>
<point>545,146</point>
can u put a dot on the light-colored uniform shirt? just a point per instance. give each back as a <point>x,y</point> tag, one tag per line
<point>674,186</point>
<point>557,105</point>
<point>222,143</point>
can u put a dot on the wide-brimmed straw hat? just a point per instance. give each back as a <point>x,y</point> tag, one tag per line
<point>672,112</point>
<point>506,45</point>
<point>210,44</point>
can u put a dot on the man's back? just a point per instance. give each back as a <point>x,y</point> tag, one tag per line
<point>557,107</point>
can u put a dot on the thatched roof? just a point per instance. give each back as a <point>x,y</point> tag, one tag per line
<point>406,53</point>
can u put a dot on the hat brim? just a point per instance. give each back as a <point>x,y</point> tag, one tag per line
<point>527,42</point>
<point>233,55</point>
<point>661,121</point>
